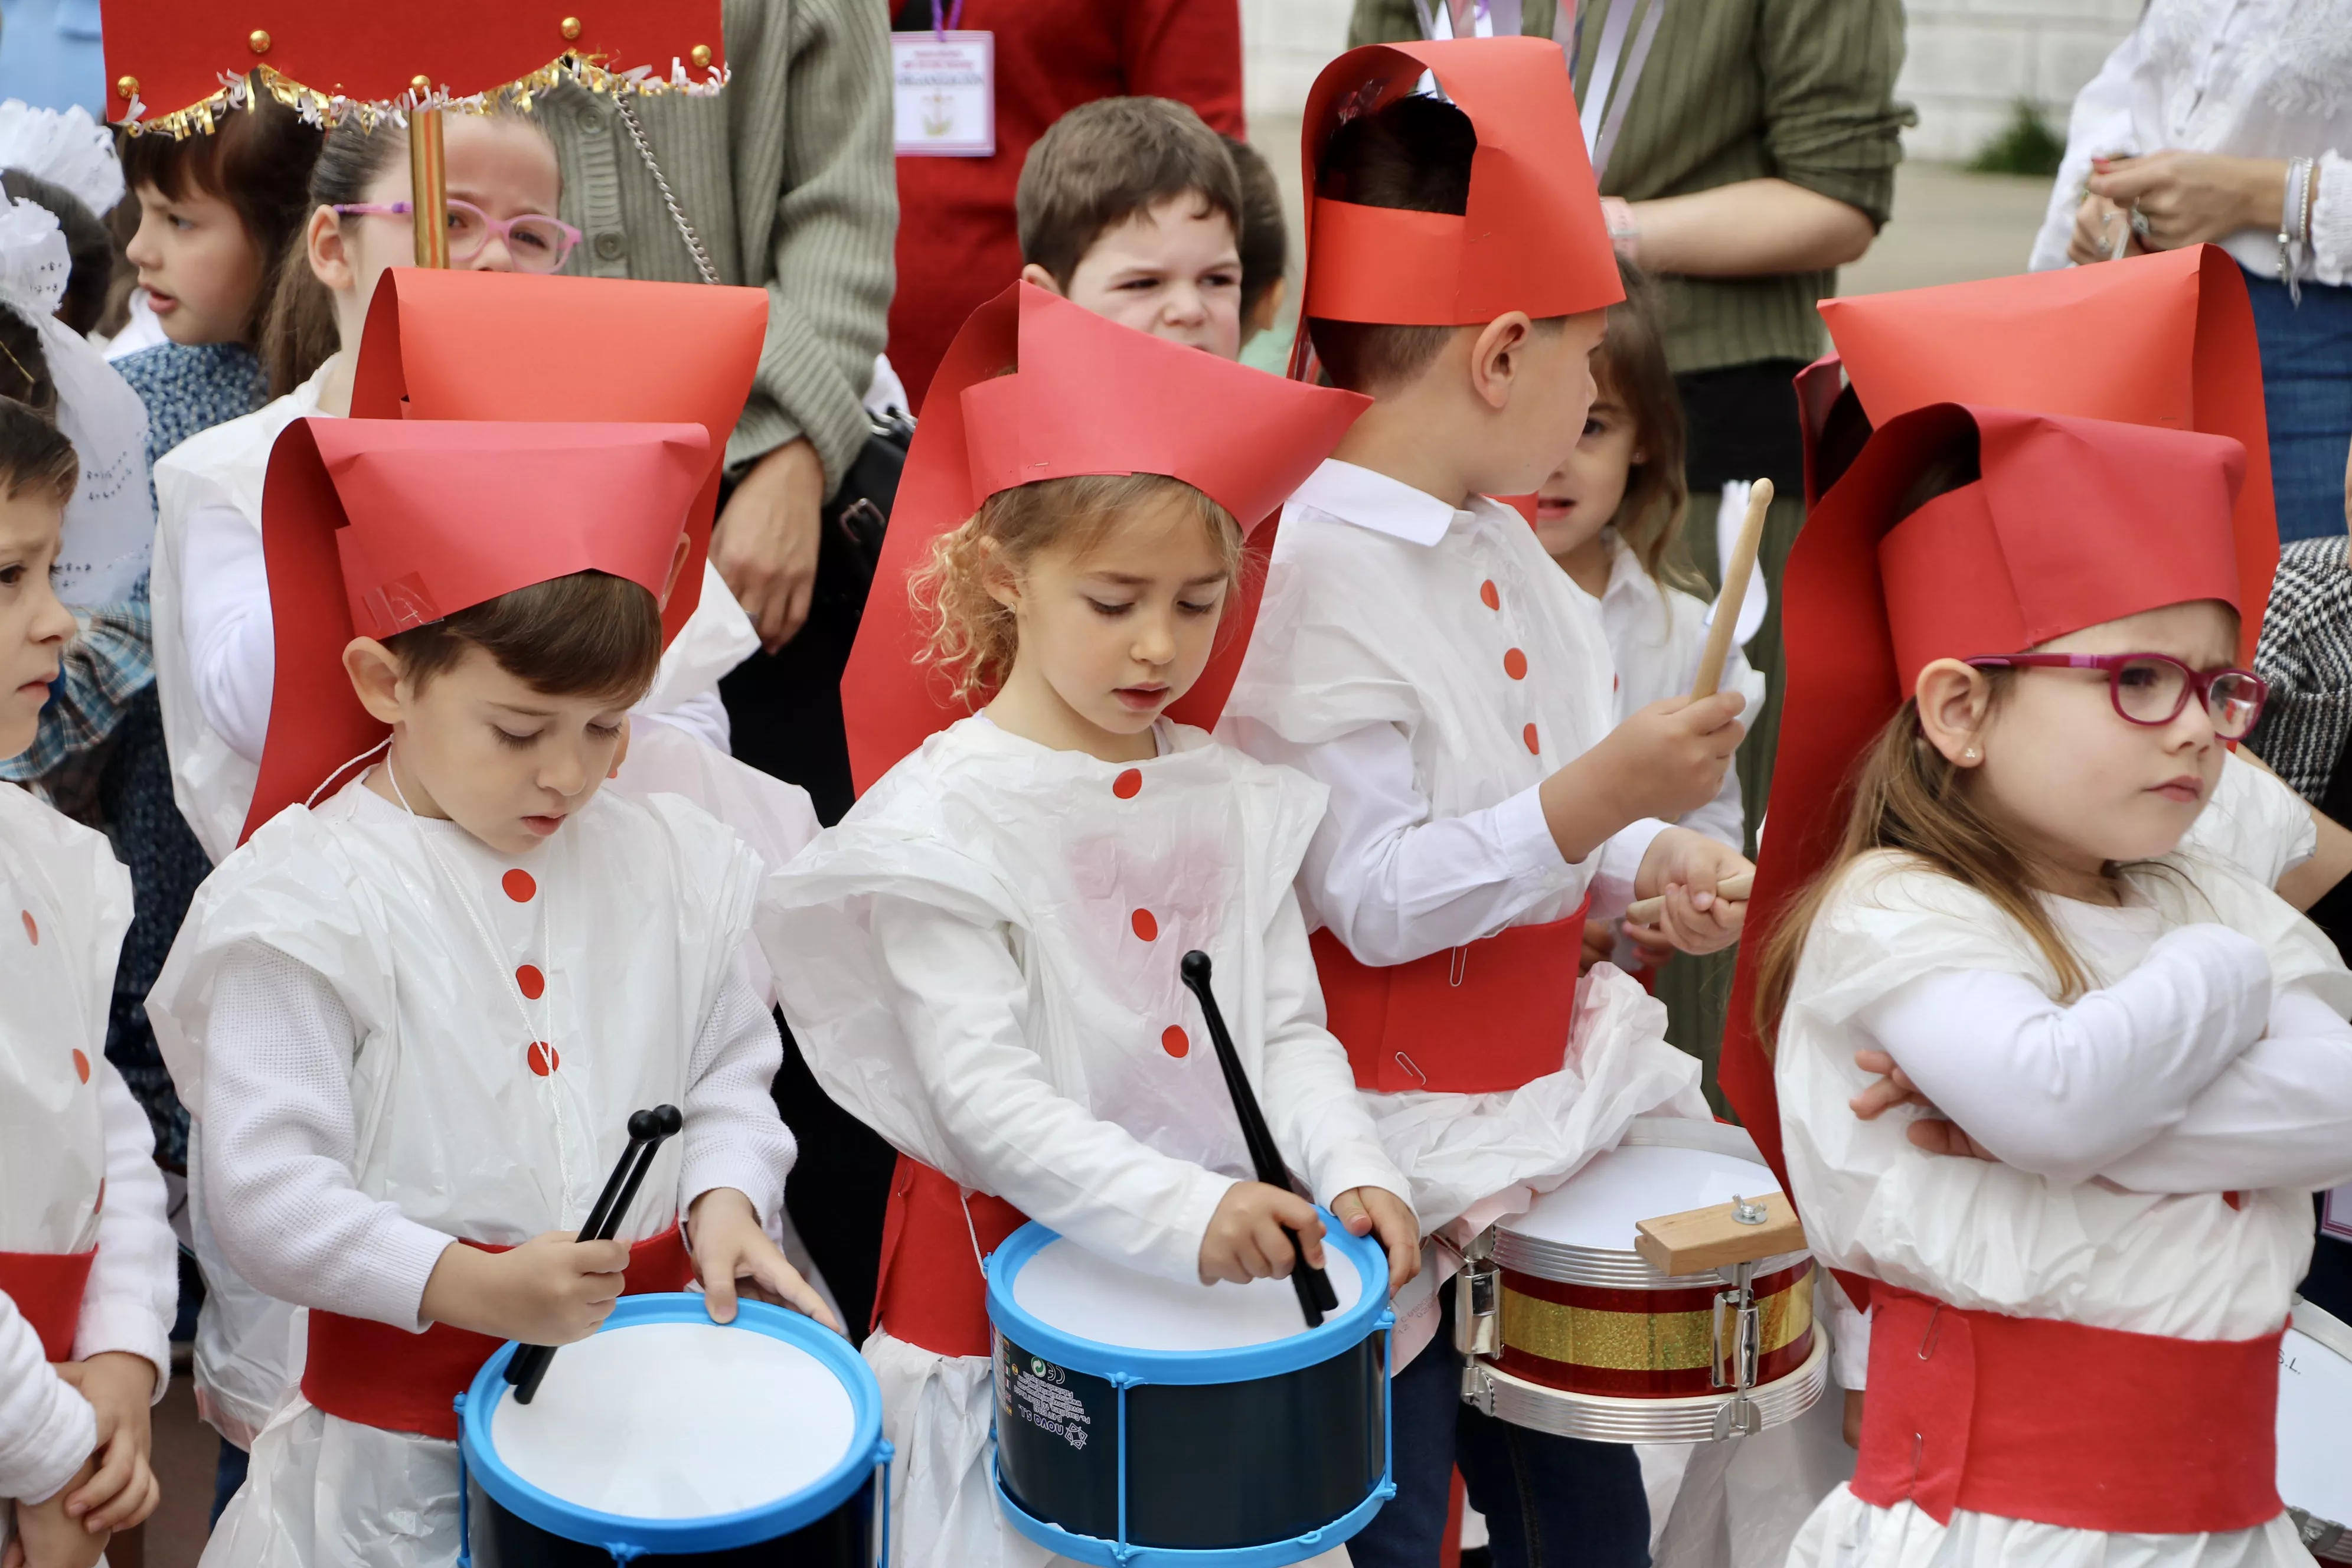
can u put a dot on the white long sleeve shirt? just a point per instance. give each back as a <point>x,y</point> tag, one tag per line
<point>2251,79</point>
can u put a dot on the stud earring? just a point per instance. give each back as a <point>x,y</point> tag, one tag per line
<point>1969,755</point>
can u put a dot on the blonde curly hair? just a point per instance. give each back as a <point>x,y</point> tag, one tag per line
<point>970,637</point>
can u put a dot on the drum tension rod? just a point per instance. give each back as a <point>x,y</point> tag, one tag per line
<point>1479,1320</point>
<point>1735,1355</point>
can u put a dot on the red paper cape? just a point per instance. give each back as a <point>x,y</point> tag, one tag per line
<point>1083,396</point>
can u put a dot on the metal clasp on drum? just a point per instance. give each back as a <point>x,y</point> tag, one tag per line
<point>1736,1354</point>
<point>1478,1319</point>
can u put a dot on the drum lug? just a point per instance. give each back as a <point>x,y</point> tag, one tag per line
<point>1478,1306</point>
<point>1477,1388</point>
<point>1736,1347</point>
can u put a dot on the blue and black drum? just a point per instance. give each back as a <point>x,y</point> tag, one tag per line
<point>1147,1423</point>
<point>665,1437</point>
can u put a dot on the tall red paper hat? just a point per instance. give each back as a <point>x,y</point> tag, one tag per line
<point>2165,340</point>
<point>173,67</point>
<point>371,527</point>
<point>1533,238</point>
<point>2076,522</point>
<point>1035,388</point>
<point>519,346</point>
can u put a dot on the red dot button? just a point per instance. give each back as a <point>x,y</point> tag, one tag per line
<point>533,983</point>
<point>1528,735</point>
<point>1514,664</point>
<point>32,927</point>
<point>519,885</point>
<point>543,1057</point>
<point>1488,595</point>
<point>1146,928</point>
<point>1175,1041</point>
<point>81,1067</point>
<point>1127,784</point>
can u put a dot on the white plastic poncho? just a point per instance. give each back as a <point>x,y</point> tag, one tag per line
<point>982,962</point>
<point>1990,1237</point>
<point>633,915</point>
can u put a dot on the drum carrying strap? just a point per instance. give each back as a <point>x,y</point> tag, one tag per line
<point>2062,1424</point>
<point>46,1287</point>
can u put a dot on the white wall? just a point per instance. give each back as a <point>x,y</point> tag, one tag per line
<point>1284,44</point>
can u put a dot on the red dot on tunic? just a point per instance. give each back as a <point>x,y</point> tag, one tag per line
<point>1514,664</point>
<point>531,981</point>
<point>1488,596</point>
<point>1127,785</point>
<point>519,885</point>
<point>1174,1041</point>
<point>1145,926</point>
<point>81,1067</point>
<point>32,928</point>
<point>543,1057</point>
<point>1528,735</point>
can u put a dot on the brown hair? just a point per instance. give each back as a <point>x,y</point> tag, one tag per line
<point>24,366</point>
<point>973,637</point>
<point>1632,369</point>
<point>1264,241</point>
<point>87,245</point>
<point>1108,160</point>
<point>587,635</point>
<point>257,160</point>
<point>35,455</point>
<point>1908,798</point>
<point>1412,155</point>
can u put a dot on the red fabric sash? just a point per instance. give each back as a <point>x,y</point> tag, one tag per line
<point>931,1293</point>
<point>2086,1429</point>
<point>1492,1016</point>
<point>385,1377</point>
<point>47,1287</point>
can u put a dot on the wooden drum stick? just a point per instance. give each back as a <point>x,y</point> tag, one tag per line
<point>1735,590</point>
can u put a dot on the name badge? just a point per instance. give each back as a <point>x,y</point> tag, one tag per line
<point>944,97</point>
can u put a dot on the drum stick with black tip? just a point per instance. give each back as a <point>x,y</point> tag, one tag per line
<point>648,1132</point>
<point>1316,1295</point>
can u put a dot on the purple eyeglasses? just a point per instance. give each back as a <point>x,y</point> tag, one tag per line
<point>2151,688</point>
<point>537,243</point>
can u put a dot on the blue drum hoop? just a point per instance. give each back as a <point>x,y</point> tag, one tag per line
<point>1125,1367</point>
<point>627,1538</point>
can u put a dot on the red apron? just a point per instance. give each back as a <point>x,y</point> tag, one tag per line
<point>930,1292</point>
<point>386,1377</point>
<point>47,1287</point>
<point>2081,1427</point>
<point>1492,1016</point>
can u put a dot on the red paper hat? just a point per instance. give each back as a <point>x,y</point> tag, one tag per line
<point>1533,238</point>
<point>2074,522</point>
<point>371,527</point>
<point>166,60</point>
<point>519,346</point>
<point>1033,388</point>
<point>2165,340</point>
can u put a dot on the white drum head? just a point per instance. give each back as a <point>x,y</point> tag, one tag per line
<point>1074,1290</point>
<point>1598,1206</point>
<point>673,1420</point>
<point>2315,1429</point>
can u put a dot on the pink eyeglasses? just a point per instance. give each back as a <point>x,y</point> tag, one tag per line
<point>2152,689</point>
<point>537,243</point>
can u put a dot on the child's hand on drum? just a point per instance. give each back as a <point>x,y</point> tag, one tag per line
<point>45,1538</point>
<point>1376,1211</point>
<point>1893,1087</point>
<point>551,1290</point>
<point>733,1255</point>
<point>1247,1237</point>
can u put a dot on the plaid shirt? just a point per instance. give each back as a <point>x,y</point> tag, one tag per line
<point>2306,656</point>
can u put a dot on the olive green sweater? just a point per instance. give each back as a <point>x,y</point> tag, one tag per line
<point>1741,90</point>
<point>787,176</point>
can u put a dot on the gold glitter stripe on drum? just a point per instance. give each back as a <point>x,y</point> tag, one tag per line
<point>1600,1350</point>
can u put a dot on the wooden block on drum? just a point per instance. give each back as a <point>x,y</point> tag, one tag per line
<point>1698,1240</point>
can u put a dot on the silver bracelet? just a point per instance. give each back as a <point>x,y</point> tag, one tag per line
<point>2295,226</point>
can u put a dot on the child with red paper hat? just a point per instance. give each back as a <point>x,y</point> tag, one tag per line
<point>88,1276</point>
<point>415,1018</point>
<point>2011,640</point>
<point>1418,652</point>
<point>984,952</point>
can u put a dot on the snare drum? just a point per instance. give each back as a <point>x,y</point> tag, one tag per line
<point>1571,1331</point>
<point>756,1442</point>
<point>1143,1421</point>
<point>2314,1431</point>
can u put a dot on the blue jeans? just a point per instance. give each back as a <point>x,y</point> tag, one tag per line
<point>2307,400</point>
<point>227,1476</point>
<point>1549,1503</point>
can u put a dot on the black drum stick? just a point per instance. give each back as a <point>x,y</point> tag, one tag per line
<point>647,1130</point>
<point>1316,1295</point>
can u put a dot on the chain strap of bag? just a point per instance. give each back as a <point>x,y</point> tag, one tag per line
<point>661,183</point>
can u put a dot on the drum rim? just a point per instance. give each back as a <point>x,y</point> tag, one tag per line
<point>1104,1553</point>
<point>706,1533</point>
<point>1622,1418</point>
<point>1340,1332</point>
